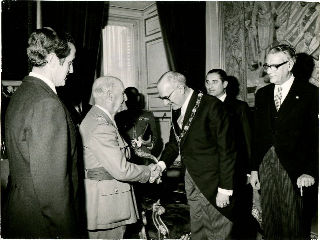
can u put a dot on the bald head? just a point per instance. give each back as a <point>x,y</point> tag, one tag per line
<point>172,89</point>
<point>107,92</point>
<point>172,78</point>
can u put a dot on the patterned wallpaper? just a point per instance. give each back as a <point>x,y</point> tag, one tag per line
<point>251,28</point>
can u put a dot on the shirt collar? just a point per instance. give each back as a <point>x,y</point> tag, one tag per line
<point>186,102</point>
<point>222,97</point>
<point>108,113</point>
<point>287,84</point>
<point>285,88</point>
<point>45,80</point>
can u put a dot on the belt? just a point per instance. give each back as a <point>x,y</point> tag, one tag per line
<point>98,174</point>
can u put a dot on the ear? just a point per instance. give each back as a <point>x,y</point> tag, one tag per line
<point>225,84</point>
<point>290,64</point>
<point>109,95</point>
<point>51,57</point>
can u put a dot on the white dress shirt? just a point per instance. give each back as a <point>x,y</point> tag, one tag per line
<point>45,80</point>
<point>285,88</point>
<point>222,97</point>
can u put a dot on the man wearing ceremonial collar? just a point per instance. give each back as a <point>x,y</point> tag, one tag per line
<point>206,147</point>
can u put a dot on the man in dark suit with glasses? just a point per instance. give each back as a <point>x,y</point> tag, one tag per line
<point>204,140</point>
<point>285,147</point>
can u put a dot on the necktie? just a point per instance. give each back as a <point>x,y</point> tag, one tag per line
<point>277,97</point>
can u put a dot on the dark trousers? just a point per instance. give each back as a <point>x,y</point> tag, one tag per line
<point>245,225</point>
<point>205,220</point>
<point>281,204</point>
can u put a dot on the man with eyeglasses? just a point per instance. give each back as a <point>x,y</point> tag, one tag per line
<point>203,139</point>
<point>285,151</point>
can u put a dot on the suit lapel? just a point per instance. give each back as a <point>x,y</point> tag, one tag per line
<point>290,99</point>
<point>191,104</point>
<point>228,101</point>
<point>270,99</point>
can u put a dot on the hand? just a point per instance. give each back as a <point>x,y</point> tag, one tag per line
<point>185,237</point>
<point>305,180</point>
<point>156,173</point>
<point>254,180</point>
<point>222,200</point>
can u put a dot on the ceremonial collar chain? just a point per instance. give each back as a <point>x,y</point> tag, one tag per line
<point>188,124</point>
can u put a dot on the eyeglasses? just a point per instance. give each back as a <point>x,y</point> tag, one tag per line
<point>273,67</point>
<point>167,98</point>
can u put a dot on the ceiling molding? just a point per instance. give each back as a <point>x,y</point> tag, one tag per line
<point>118,12</point>
<point>131,5</point>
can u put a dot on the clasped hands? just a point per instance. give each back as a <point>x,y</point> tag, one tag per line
<point>156,173</point>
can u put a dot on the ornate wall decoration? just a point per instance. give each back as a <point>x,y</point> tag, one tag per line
<point>252,28</point>
<point>234,43</point>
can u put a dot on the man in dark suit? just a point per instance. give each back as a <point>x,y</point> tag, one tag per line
<point>206,147</point>
<point>285,148</point>
<point>225,88</point>
<point>40,137</point>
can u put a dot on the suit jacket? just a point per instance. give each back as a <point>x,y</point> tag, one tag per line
<point>241,119</point>
<point>41,142</point>
<point>207,149</point>
<point>110,203</point>
<point>293,130</point>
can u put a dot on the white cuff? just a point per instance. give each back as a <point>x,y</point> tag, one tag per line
<point>162,164</point>
<point>225,191</point>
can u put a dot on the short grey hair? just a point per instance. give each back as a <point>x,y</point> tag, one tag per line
<point>286,49</point>
<point>104,84</point>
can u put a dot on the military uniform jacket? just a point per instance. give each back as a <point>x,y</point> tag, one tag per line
<point>110,203</point>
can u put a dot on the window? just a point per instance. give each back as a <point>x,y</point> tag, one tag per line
<point>119,58</point>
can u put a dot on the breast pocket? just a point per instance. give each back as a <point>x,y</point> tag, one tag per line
<point>113,202</point>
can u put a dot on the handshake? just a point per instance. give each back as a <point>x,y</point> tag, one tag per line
<point>156,173</point>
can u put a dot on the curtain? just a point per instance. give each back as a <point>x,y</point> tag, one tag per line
<point>183,26</point>
<point>18,21</point>
<point>84,20</point>
<point>118,53</point>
